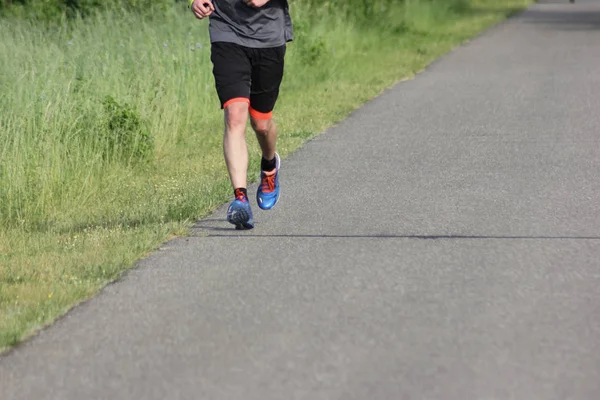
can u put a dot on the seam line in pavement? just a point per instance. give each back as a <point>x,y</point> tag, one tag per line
<point>422,237</point>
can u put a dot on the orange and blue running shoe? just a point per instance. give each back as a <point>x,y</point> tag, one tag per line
<point>268,191</point>
<point>239,212</point>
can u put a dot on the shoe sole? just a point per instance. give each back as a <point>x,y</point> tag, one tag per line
<point>241,220</point>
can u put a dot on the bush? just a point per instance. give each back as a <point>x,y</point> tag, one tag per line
<point>125,137</point>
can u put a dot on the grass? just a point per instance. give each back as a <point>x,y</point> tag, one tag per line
<point>110,134</point>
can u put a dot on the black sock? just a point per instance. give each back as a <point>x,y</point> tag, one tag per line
<point>240,190</point>
<point>268,165</point>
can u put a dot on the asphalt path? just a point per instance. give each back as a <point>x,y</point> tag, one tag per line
<point>443,242</point>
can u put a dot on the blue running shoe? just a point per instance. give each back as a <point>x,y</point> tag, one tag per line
<point>268,191</point>
<point>240,213</point>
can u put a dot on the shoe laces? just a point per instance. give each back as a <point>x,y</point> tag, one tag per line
<point>239,195</point>
<point>267,183</point>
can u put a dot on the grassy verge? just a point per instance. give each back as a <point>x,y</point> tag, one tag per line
<point>110,134</point>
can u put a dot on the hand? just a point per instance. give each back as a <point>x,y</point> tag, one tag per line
<point>202,8</point>
<point>256,3</point>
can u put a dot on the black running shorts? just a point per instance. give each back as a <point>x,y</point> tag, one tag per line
<point>248,74</point>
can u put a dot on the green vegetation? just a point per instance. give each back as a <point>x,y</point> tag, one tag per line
<point>110,130</point>
<point>57,10</point>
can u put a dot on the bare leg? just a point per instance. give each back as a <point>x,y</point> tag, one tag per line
<point>266,134</point>
<point>234,143</point>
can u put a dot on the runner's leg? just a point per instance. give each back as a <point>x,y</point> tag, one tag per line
<point>267,73</point>
<point>233,72</point>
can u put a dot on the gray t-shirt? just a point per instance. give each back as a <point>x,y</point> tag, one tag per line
<point>235,22</point>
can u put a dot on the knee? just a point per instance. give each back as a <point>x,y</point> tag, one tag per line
<point>236,116</point>
<point>261,127</point>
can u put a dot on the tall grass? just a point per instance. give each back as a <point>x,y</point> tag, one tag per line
<point>110,134</point>
<point>76,103</point>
